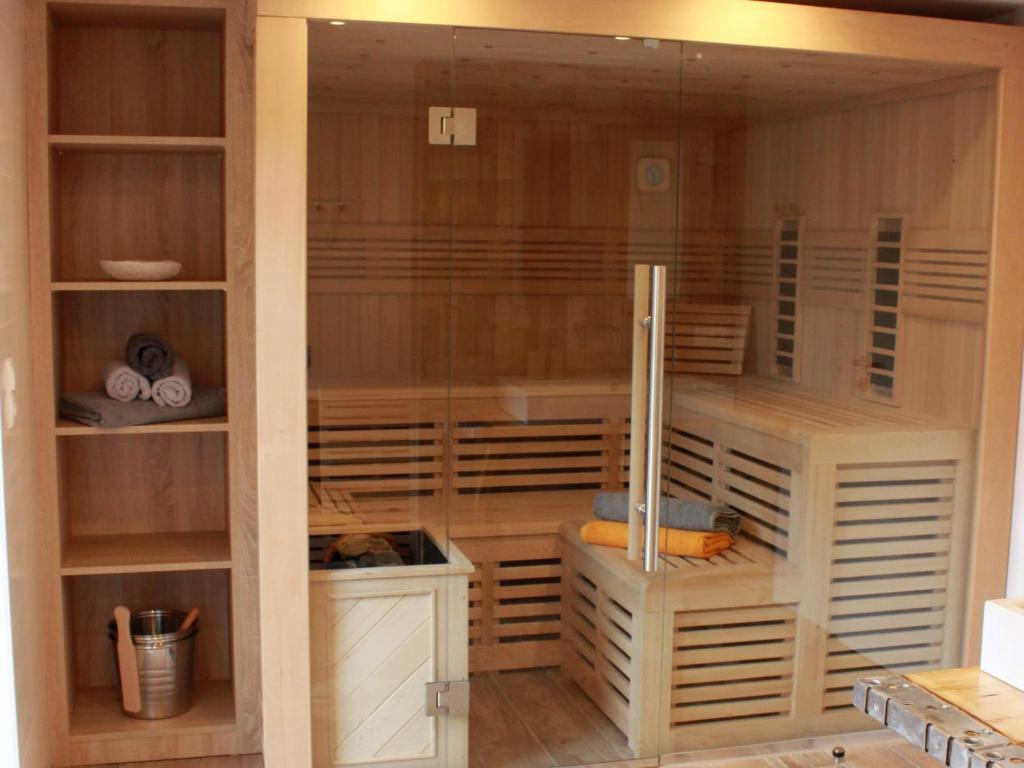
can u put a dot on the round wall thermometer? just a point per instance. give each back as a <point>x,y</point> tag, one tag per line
<point>652,174</point>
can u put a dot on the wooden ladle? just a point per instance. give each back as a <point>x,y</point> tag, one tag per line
<point>126,663</point>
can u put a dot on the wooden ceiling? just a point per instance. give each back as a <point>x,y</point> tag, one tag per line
<point>530,71</point>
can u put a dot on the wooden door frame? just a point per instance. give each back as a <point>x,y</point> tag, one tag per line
<point>281,265</point>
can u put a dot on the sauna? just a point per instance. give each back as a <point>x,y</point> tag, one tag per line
<point>583,384</point>
<point>479,204</point>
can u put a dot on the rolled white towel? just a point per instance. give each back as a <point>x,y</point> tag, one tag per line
<point>124,384</point>
<point>174,390</point>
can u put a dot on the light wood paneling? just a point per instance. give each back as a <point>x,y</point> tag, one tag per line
<point>26,585</point>
<point>129,484</point>
<point>929,156</point>
<point>129,74</point>
<point>997,438</point>
<point>280,388</point>
<point>168,205</point>
<point>824,30</point>
<point>167,517</point>
<point>95,327</point>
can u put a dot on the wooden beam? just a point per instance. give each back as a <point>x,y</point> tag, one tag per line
<point>1000,406</point>
<point>728,22</point>
<point>281,388</point>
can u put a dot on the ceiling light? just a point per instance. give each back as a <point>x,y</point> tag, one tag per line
<point>622,37</point>
<point>337,23</point>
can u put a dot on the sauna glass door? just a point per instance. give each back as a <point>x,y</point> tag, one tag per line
<point>566,175</point>
<point>388,591</point>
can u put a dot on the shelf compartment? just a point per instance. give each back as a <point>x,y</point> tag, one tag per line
<point>146,553</point>
<point>112,485</point>
<point>170,144</point>
<point>137,205</point>
<point>137,71</point>
<point>97,715</point>
<point>68,428</point>
<point>94,327</point>
<point>90,605</point>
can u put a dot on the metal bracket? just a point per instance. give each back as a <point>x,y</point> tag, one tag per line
<point>452,125</point>
<point>926,721</point>
<point>448,697</point>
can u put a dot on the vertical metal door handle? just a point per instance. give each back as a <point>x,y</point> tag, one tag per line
<point>656,373</point>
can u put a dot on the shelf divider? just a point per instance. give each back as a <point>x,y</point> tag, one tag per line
<point>89,286</point>
<point>68,428</point>
<point>170,144</point>
<point>146,553</point>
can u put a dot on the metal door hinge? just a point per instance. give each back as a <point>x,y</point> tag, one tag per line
<point>448,697</point>
<point>452,125</point>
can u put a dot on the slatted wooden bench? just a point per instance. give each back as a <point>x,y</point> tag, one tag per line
<point>855,521</point>
<point>502,468</point>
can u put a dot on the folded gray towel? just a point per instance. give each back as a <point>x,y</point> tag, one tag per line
<point>675,513</point>
<point>97,410</point>
<point>149,355</point>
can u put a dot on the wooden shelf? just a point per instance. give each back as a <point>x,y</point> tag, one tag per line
<point>68,428</point>
<point>172,144</point>
<point>117,285</point>
<point>146,553</point>
<point>97,715</point>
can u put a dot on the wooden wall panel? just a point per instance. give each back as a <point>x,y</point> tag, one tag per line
<point>929,158</point>
<point>562,184</point>
<point>19,503</point>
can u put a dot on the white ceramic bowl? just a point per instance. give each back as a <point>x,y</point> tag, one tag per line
<point>141,270</point>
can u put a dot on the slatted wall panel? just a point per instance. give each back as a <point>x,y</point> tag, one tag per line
<point>598,634</point>
<point>378,458</point>
<point>786,274</point>
<point>946,274</point>
<point>405,259</point>
<point>733,664</point>
<point>702,468</point>
<point>890,561</point>
<point>706,338</point>
<point>835,271</point>
<point>565,454</point>
<point>883,309</point>
<point>515,611</point>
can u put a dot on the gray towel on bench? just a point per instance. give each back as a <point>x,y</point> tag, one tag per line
<point>97,410</point>
<point>675,513</point>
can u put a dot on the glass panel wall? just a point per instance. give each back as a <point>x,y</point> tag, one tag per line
<point>379,360</point>
<point>854,207</point>
<point>480,388</point>
<point>573,181</point>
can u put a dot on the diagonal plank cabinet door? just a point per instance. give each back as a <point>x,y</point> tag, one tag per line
<point>376,644</point>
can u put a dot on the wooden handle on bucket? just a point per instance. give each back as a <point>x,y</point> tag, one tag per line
<point>190,619</point>
<point>126,663</point>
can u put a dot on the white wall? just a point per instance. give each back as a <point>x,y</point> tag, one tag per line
<point>21,587</point>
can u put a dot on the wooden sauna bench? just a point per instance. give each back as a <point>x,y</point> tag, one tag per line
<point>503,465</point>
<point>856,519</point>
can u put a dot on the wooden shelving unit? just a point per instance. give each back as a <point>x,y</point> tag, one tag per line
<point>140,148</point>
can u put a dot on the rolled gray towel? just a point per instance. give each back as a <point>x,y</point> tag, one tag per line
<point>675,513</point>
<point>97,410</point>
<point>149,355</point>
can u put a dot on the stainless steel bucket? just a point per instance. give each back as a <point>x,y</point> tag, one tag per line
<point>164,657</point>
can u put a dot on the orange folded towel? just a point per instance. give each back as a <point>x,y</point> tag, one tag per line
<point>671,541</point>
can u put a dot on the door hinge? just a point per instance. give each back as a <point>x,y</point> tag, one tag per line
<point>452,125</point>
<point>448,697</point>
